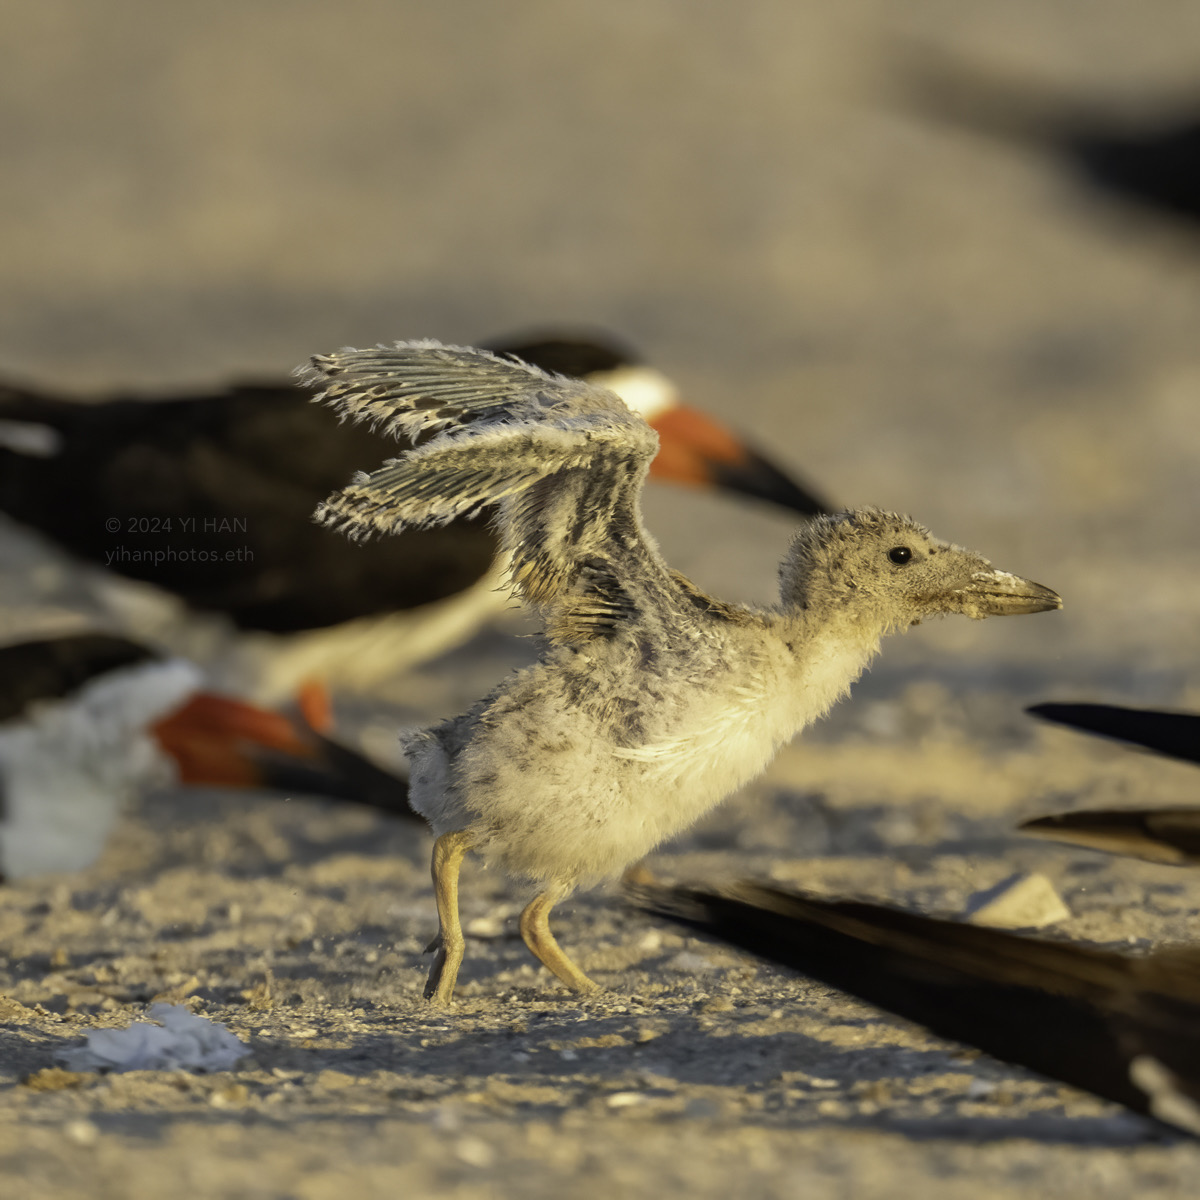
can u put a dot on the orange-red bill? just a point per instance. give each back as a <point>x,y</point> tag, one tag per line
<point>211,740</point>
<point>696,449</point>
<point>217,741</point>
<point>316,707</point>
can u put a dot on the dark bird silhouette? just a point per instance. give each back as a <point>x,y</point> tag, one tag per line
<point>1120,1026</point>
<point>1164,835</point>
<point>1173,734</point>
<point>1148,160</point>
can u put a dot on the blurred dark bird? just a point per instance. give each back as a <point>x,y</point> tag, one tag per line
<point>1172,734</point>
<point>88,721</point>
<point>1151,161</point>
<point>1164,835</point>
<point>1120,1026</point>
<point>694,449</point>
<point>211,498</point>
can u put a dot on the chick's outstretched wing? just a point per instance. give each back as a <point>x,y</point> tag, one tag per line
<point>563,460</point>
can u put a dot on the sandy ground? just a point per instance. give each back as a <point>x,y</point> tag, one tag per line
<point>912,316</point>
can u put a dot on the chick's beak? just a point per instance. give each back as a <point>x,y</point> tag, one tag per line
<point>696,449</point>
<point>999,594</point>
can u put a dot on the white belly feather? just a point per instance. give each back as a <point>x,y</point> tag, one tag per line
<point>600,807</point>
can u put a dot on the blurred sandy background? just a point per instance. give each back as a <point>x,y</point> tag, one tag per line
<point>902,312</point>
<point>916,317</point>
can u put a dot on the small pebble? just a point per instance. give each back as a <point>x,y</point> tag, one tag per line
<point>484,927</point>
<point>1019,902</point>
<point>473,1151</point>
<point>233,1096</point>
<point>82,1132</point>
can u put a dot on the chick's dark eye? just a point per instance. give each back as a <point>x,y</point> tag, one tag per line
<point>899,555</point>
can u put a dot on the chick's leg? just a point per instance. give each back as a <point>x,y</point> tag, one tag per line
<point>448,853</point>
<point>535,930</point>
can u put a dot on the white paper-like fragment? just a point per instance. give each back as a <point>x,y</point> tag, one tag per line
<point>181,1041</point>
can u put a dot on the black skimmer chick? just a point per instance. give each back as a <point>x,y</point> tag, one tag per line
<point>652,701</point>
<point>1164,835</point>
<point>210,499</point>
<point>89,720</point>
<point>1122,1026</point>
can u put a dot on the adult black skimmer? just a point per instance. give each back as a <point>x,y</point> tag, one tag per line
<point>1165,835</point>
<point>211,497</point>
<point>87,721</point>
<point>652,701</point>
<point>1123,1026</point>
